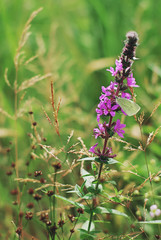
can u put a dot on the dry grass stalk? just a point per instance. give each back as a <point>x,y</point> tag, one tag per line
<point>70,136</point>
<point>57,184</point>
<point>6,77</point>
<point>149,138</point>
<point>25,35</point>
<point>71,150</point>
<point>49,152</point>
<point>70,169</point>
<point>128,146</point>
<point>141,147</point>
<point>84,150</point>
<point>142,185</point>
<point>130,149</point>
<point>30,59</point>
<point>6,113</point>
<point>6,132</point>
<point>55,111</point>
<point>24,108</point>
<point>30,82</point>
<point>47,117</point>
<point>141,118</point>
<point>152,136</point>
<point>25,180</point>
<point>154,110</point>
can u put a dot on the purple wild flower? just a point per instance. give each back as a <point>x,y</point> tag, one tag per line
<point>100,131</point>
<point>103,156</point>
<point>92,149</point>
<point>118,128</point>
<point>107,107</point>
<point>119,68</point>
<point>131,81</point>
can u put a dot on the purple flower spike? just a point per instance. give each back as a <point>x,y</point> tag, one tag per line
<point>126,95</point>
<point>100,131</point>
<point>118,66</point>
<point>131,81</point>
<point>118,128</point>
<point>92,149</point>
<point>110,110</point>
<point>112,71</point>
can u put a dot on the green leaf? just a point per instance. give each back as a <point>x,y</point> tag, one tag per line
<point>112,161</point>
<point>93,166</point>
<point>87,159</point>
<point>101,210</point>
<point>101,221</point>
<point>87,209</point>
<point>151,222</point>
<point>88,178</point>
<point>79,205</point>
<point>106,161</point>
<point>88,196</point>
<point>86,224</point>
<point>84,235</point>
<point>78,190</point>
<point>112,182</point>
<point>83,185</point>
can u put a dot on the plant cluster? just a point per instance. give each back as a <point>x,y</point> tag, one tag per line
<point>49,202</point>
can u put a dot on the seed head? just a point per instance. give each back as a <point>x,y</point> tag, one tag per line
<point>61,223</point>
<point>29,215</point>
<point>56,165</point>
<point>37,173</point>
<point>30,205</point>
<point>19,231</point>
<point>30,191</point>
<point>50,193</point>
<point>37,197</point>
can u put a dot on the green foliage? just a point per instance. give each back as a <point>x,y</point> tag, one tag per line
<point>75,41</point>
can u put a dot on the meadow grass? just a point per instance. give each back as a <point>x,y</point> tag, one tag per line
<point>71,45</point>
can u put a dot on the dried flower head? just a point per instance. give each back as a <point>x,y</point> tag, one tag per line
<point>80,210</point>
<point>19,231</point>
<point>13,165</point>
<point>44,217</point>
<point>50,193</point>
<point>14,192</point>
<point>61,223</point>
<point>30,205</point>
<point>9,173</point>
<point>42,180</point>
<point>37,173</point>
<point>37,197</point>
<point>71,218</point>
<point>30,191</point>
<point>29,215</point>
<point>34,124</point>
<point>56,165</point>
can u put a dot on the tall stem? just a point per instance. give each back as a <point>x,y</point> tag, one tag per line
<point>54,205</point>
<point>16,138</point>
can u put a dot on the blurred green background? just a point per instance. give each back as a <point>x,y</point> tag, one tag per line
<point>76,41</point>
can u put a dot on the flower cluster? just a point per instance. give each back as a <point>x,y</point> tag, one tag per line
<point>108,106</point>
<point>154,211</point>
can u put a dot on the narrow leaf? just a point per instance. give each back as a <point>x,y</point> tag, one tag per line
<point>79,205</point>
<point>87,159</point>
<point>151,222</point>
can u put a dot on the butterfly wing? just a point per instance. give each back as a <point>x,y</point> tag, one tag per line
<point>128,106</point>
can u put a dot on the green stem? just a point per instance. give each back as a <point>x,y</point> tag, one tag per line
<point>92,209</point>
<point>74,227</point>
<point>54,199</point>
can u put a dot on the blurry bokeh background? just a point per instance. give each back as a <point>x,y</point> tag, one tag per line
<point>76,41</point>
